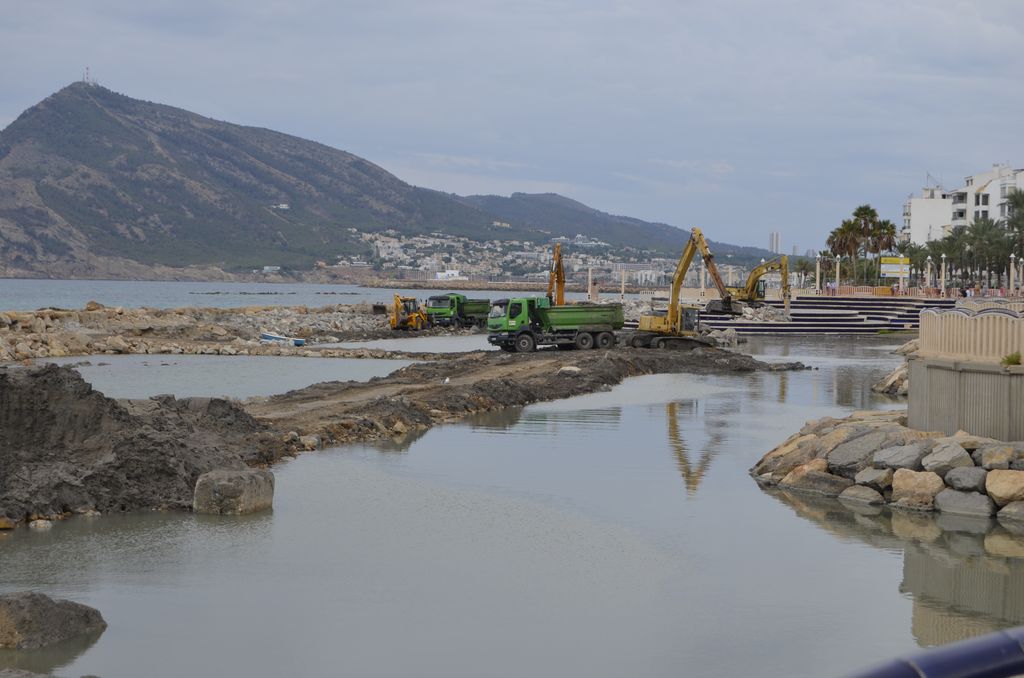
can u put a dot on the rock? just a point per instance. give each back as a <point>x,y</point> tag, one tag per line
<point>30,620</point>
<point>118,344</point>
<point>1012,511</point>
<point>6,523</point>
<point>40,525</point>
<point>879,479</point>
<point>1005,486</point>
<point>569,369</point>
<point>400,428</point>
<point>946,456</point>
<point>902,456</point>
<point>861,494</point>
<point>809,478</point>
<point>838,436</point>
<point>310,442</point>
<point>234,492</point>
<point>967,441</point>
<point>964,503</point>
<point>850,457</point>
<point>94,306</point>
<point>916,489</point>
<point>967,478</point>
<point>911,346</point>
<point>992,457</point>
<point>786,456</point>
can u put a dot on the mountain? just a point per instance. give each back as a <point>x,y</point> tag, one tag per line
<point>96,183</point>
<point>564,216</point>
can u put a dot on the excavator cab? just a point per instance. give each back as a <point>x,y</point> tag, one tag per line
<point>406,314</point>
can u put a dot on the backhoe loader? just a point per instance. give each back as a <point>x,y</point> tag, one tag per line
<point>406,314</point>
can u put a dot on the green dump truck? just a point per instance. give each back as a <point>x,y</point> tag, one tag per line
<point>524,323</point>
<point>457,311</point>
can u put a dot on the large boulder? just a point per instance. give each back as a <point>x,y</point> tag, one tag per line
<point>1013,511</point>
<point>901,456</point>
<point>916,489</point>
<point>234,491</point>
<point>31,620</point>
<point>879,479</point>
<point>967,478</point>
<point>992,457</point>
<point>850,457</point>
<point>812,477</point>
<point>946,456</point>
<point>964,503</point>
<point>1005,486</point>
<point>861,494</point>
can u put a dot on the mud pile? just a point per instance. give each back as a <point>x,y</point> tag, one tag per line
<point>66,448</point>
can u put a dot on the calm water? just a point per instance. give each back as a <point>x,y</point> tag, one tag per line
<point>608,535</point>
<point>439,344</point>
<point>143,376</point>
<point>16,294</point>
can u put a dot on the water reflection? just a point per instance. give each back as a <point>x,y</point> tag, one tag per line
<point>49,659</point>
<point>964,575</point>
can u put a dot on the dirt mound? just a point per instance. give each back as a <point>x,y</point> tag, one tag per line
<point>65,447</point>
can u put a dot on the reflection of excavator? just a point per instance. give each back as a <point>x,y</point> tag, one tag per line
<point>692,473</point>
<point>556,279</point>
<point>753,293</point>
<point>678,326</point>
<point>406,314</point>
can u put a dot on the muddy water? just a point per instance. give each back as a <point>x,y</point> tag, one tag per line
<point>143,376</point>
<point>613,534</point>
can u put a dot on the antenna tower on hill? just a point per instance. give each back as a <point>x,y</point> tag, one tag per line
<point>87,78</point>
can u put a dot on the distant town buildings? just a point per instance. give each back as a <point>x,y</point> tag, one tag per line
<point>937,211</point>
<point>775,242</point>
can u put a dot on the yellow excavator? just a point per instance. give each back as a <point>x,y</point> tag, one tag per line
<point>406,314</point>
<point>678,327</point>
<point>556,279</point>
<point>753,292</point>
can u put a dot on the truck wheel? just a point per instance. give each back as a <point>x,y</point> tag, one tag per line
<point>525,343</point>
<point>584,341</point>
<point>605,340</point>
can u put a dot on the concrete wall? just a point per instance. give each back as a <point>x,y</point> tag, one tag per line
<point>981,398</point>
<point>985,338</point>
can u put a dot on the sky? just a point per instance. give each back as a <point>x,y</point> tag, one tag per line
<point>741,117</point>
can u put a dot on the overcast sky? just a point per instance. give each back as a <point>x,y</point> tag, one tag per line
<point>741,117</point>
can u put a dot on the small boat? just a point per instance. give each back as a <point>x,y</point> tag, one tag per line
<point>271,337</point>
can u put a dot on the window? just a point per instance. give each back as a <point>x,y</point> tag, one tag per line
<point>977,199</point>
<point>984,198</point>
<point>514,310</point>
<point>984,214</point>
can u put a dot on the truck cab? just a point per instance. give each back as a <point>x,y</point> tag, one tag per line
<point>515,315</point>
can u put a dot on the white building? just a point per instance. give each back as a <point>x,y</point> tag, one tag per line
<point>928,217</point>
<point>938,211</point>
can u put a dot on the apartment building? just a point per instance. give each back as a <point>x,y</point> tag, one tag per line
<point>937,211</point>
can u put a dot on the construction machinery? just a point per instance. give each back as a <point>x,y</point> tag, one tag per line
<point>522,324</point>
<point>753,292</point>
<point>457,310</point>
<point>556,278</point>
<point>406,314</point>
<point>678,326</point>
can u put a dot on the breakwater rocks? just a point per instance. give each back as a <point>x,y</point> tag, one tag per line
<point>67,449</point>
<point>897,382</point>
<point>227,331</point>
<point>872,458</point>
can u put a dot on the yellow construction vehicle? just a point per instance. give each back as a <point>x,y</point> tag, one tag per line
<point>678,327</point>
<point>406,314</point>
<point>753,293</point>
<point>556,279</point>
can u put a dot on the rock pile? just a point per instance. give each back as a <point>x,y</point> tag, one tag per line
<point>897,382</point>
<point>873,458</point>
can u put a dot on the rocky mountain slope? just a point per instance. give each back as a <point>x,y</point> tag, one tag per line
<point>95,183</point>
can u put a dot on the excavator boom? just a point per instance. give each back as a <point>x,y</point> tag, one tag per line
<point>556,278</point>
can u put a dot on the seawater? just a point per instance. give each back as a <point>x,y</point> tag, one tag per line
<point>613,534</point>
<point>25,295</point>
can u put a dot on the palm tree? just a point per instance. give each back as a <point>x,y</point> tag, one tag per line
<point>846,240</point>
<point>1015,219</point>
<point>866,218</point>
<point>883,239</point>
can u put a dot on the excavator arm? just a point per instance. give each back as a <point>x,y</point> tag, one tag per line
<point>748,293</point>
<point>556,278</point>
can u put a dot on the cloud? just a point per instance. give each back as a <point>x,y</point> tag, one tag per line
<point>798,107</point>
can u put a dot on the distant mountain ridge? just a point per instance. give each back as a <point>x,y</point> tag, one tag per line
<point>96,183</point>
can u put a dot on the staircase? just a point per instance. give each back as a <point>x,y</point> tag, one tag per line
<point>834,315</point>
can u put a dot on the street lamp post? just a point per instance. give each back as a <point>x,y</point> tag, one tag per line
<point>838,258</point>
<point>1013,272</point>
<point>928,275</point>
<point>817,273</point>
<point>943,280</point>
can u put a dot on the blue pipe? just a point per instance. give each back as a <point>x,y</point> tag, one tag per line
<point>996,655</point>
